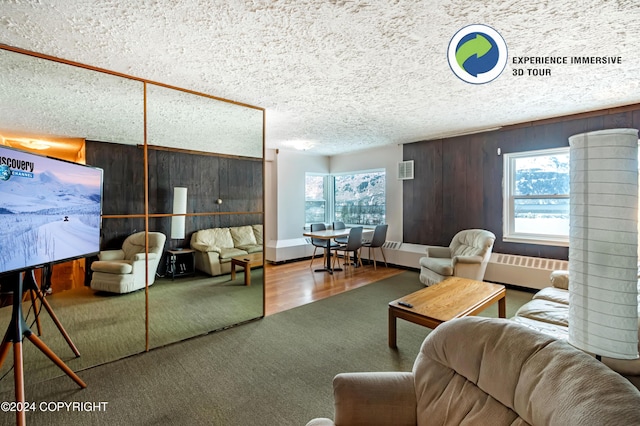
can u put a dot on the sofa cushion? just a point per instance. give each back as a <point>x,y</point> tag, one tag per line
<point>545,311</point>
<point>242,235</point>
<point>553,294</point>
<point>213,239</point>
<point>251,248</point>
<point>438,265</point>
<point>258,232</point>
<point>228,253</point>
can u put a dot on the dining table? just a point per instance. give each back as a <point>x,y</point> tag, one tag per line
<point>328,235</point>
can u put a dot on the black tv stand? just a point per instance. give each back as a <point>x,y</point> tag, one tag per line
<point>18,330</point>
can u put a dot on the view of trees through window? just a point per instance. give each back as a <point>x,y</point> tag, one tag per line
<point>355,199</point>
<point>360,198</point>
<point>541,194</point>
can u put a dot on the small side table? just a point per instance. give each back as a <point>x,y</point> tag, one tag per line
<point>181,263</point>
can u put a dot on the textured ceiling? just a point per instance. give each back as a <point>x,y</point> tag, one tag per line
<point>340,76</point>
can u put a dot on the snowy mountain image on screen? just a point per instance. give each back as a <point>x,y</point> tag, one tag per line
<point>45,218</point>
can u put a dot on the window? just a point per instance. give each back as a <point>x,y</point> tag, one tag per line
<point>315,199</point>
<point>353,198</point>
<point>536,197</point>
<point>359,198</point>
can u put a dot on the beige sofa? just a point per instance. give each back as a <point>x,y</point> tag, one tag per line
<point>214,247</point>
<point>488,371</point>
<point>548,312</point>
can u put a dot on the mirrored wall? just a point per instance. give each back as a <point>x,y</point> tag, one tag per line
<point>149,139</point>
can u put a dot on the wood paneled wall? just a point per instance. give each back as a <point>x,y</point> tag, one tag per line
<point>458,181</point>
<point>236,181</point>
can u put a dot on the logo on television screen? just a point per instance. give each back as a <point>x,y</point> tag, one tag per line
<point>477,54</point>
<point>5,172</point>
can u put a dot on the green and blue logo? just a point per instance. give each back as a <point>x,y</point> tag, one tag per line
<point>477,54</point>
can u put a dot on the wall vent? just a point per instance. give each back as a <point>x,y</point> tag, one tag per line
<point>405,170</point>
<point>524,271</point>
<point>392,245</point>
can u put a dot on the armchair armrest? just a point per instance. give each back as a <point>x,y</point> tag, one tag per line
<point>375,398</point>
<point>111,255</point>
<point>560,279</point>
<point>142,256</point>
<point>467,259</point>
<point>437,251</point>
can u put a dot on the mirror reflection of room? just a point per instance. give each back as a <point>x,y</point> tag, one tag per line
<point>145,285</point>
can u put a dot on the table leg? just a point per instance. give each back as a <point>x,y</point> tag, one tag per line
<point>502,307</point>
<point>392,329</point>
<point>247,275</point>
<point>233,271</point>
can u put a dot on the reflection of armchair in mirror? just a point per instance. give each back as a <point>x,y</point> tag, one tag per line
<point>123,271</point>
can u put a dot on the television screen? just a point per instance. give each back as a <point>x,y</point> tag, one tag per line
<point>50,210</point>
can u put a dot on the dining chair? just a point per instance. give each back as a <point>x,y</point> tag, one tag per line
<point>318,243</point>
<point>337,225</point>
<point>377,241</point>
<point>353,245</point>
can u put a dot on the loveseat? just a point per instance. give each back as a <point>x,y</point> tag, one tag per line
<point>548,312</point>
<point>488,371</point>
<point>214,247</point>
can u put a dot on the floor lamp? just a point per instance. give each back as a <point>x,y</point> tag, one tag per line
<point>603,243</point>
<point>179,208</point>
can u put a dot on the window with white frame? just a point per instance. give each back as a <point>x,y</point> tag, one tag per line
<point>316,205</point>
<point>536,197</point>
<point>357,198</point>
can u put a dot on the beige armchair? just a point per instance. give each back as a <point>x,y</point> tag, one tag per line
<point>488,371</point>
<point>467,257</point>
<point>123,271</point>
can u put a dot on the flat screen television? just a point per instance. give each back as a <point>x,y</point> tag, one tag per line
<point>50,210</point>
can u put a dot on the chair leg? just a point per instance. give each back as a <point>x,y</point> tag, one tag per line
<point>383,257</point>
<point>313,256</point>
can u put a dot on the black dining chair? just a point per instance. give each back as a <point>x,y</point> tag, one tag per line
<point>318,243</point>
<point>378,240</point>
<point>337,225</point>
<point>353,245</point>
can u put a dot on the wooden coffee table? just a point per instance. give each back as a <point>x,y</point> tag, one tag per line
<point>247,261</point>
<point>452,298</point>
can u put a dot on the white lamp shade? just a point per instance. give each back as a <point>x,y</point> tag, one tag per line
<point>603,243</point>
<point>179,207</point>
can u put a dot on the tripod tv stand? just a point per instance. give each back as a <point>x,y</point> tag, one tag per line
<point>18,330</point>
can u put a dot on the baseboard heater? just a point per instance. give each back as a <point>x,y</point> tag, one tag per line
<point>523,271</point>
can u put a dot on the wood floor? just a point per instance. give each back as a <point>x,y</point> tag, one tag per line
<point>289,285</point>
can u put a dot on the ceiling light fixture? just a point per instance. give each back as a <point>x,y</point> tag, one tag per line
<point>34,144</point>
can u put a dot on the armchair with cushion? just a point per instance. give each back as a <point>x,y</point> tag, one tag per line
<point>467,256</point>
<point>123,271</point>
<point>488,371</point>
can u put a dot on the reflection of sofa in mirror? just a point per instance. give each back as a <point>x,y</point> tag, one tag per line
<point>123,271</point>
<point>216,246</point>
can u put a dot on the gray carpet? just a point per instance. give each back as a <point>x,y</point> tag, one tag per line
<point>106,327</point>
<point>275,371</point>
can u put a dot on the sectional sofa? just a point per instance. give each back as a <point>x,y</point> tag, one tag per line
<point>548,311</point>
